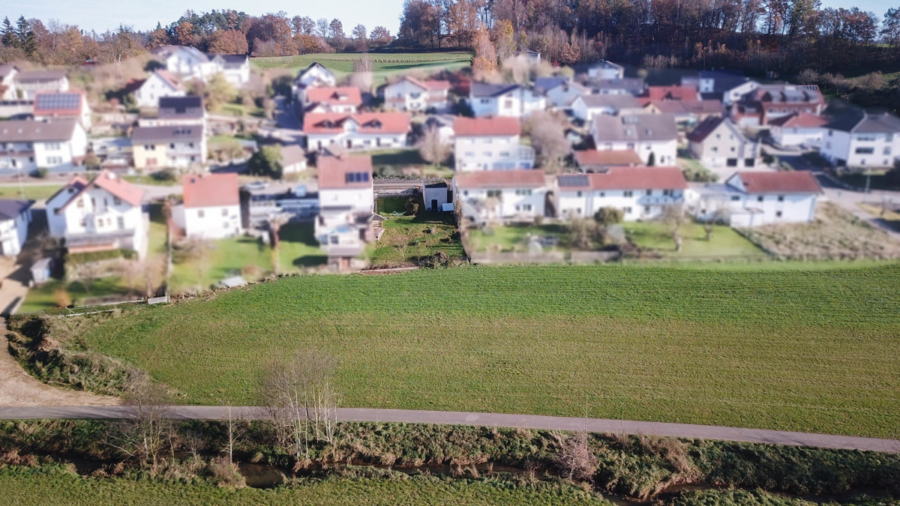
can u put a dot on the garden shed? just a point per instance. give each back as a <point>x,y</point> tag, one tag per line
<point>436,195</point>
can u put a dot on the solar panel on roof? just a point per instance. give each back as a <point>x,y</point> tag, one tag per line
<point>58,102</point>
<point>576,180</point>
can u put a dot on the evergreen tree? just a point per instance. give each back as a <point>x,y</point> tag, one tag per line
<point>22,29</point>
<point>10,39</point>
<point>30,43</point>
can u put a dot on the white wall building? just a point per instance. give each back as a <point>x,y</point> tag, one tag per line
<point>641,193</point>
<point>719,142</point>
<point>102,214</point>
<point>191,63</point>
<point>212,206</point>
<point>654,137</point>
<point>30,83</point>
<point>606,70</point>
<point>26,145</point>
<point>869,140</point>
<point>314,76</point>
<point>161,83</point>
<point>341,99</point>
<point>414,95</point>
<point>510,195</point>
<point>798,129</point>
<point>362,131</point>
<point>560,91</point>
<point>63,104</point>
<point>510,100</point>
<point>752,199</point>
<point>490,144</point>
<point>15,216</point>
<point>585,107</point>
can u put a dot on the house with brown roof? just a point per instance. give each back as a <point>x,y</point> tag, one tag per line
<point>341,99</point>
<point>680,93</point>
<point>29,83</point>
<point>754,198</point>
<point>212,206</point>
<point>798,129</point>
<point>346,207</point>
<point>59,145</point>
<point>502,195</point>
<point>641,193</point>
<point>99,214</point>
<point>161,83</point>
<point>490,144</point>
<point>414,95</point>
<point>360,131</point>
<point>592,160</point>
<point>718,142</point>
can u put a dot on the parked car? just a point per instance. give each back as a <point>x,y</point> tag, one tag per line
<point>256,186</point>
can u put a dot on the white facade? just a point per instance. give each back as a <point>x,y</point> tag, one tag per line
<point>358,200</point>
<point>14,232</point>
<point>190,63</point>
<point>491,152</point>
<point>586,108</point>
<point>504,204</point>
<point>733,204</point>
<point>233,69</point>
<point>153,89</point>
<point>666,152</point>
<point>635,204</point>
<point>518,102</point>
<point>810,137</point>
<point>562,96</point>
<point>606,70</point>
<point>316,75</point>
<point>734,94</point>
<point>29,84</point>
<point>49,154</point>
<point>413,96</point>
<point>214,222</point>
<point>355,140</point>
<point>854,149</point>
<point>7,80</point>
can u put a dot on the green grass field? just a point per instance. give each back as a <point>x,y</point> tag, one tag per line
<point>41,487</point>
<point>408,238</point>
<point>812,349</point>
<point>515,237</point>
<point>32,191</point>
<point>725,242</point>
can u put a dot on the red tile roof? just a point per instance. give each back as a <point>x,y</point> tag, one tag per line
<point>688,93</point>
<point>335,95</point>
<point>108,181</point>
<point>170,79</point>
<point>333,172</point>
<point>369,122</point>
<point>473,127</point>
<point>622,157</point>
<point>210,190</point>
<point>490,179</point>
<point>800,120</point>
<point>779,182</point>
<point>430,85</point>
<point>628,178</point>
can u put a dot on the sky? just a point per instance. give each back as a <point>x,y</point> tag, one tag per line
<point>101,15</point>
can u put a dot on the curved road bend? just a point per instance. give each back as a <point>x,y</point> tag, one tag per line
<point>493,420</point>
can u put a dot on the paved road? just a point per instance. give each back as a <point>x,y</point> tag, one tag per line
<point>493,420</point>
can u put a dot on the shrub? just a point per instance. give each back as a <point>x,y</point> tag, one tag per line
<point>40,173</point>
<point>166,175</point>
<point>412,207</point>
<point>608,216</point>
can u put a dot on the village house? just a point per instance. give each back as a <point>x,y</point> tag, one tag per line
<point>161,83</point>
<point>653,137</point>
<point>63,104</point>
<point>443,124</point>
<point>772,101</point>
<point>752,199</point>
<point>633,86</point>
<point>177,111</point>
<point>212,206</point>
<point>718,142</point>
<point>723,86</point>
<point>8,82</point>
<point>798,129</point>
<point>158,147</point>
<point>29,83</point>
<point>585,107</point>
<point>862,140</point>
<point>191,63</point>
<point>15,217</point>
<point>592,160</point>
<point>490,144</point>
<point>641,193</point>
<point>509,195</point>
<point>343,99</point>
<point>235,68</point>
<point>660,93</point>
<point>293,159</point>
<point>606,70</point>
<point>346,207</point>
<point>362,131</point>
<point>510,100</point>
<point>560,91</point>
<point>102,214</point>
<point>686,113</point>
<point>314,76</point>
<point>414,95</point>
<point>59,145</point>
<point>114,152</point>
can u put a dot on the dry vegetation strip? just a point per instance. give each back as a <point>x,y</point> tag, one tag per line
<point>797,350</point>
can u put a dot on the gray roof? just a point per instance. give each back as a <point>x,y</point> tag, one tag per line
<point>166,51</point>
<point>484,90</point>
<point>10,209</point>
<point>36,76</point>
<point>167,134</point>
<point>606,65</point>
<point>230,60</point>
<point>635,127</point>
<point>291,154</point>
<point>544,84</point>
<point>628,83</point>
<point>37,131</point>
<point>866,123</point>
<point>189,107</point>
<point>5,70</point>
<point>614,101</point>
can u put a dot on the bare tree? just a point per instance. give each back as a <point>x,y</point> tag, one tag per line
<point>713,218</point>
<point>147,430</point>
<point>548,137</point>
<point>131,272</point>
<point>674,218</point>
<point>300,397</point>
<point>235,428</point>
<point>576,460</point>
<point>432,148</point>
<point>86,273</point>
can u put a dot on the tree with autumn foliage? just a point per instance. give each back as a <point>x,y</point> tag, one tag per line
<point>228,42</point>
<point>485,54</point>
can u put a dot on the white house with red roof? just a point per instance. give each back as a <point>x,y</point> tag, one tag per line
<point>591,160</point>
<point>63,104</point>
<point>360,131</point>
<point>161,83</point>
<point>754,198</point>
<point>507,195</point>
<point>212,206</point>
<point>314,76</point>
<point>341,99</point>
<point>641,193</point>
<point>414,95</point>
<point>346,206</point>
<point>100,214</point>
<point>798,129</point>
<point>490,144</point>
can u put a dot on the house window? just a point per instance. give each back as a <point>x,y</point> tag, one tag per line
<point>667,193</point>
<point>781,198</point>
<point>735,198</point>
<point>628,193</point>
<point>52,146</point>
<point>465,193</point>
<point>508,103</point>
<point>649,192</point>
<point>715,149</point>
<point>494,193</point>
<point>225,212</point>
<point>81,203</point>
<point>887,151</point>
<point>865,151</point>
<point>578,194</point>
<point>504,154</point>
<point>646,209</point>
<point>523,192</point>
<point>485,101</point>
<point>526,207</point>
<point>487,141</point>
<point>778,214</point>
<point>172,146</point>
<point>627,210</point>
<point>117,201</point>
<point>201,214</point>
<point>602,194</point>
<point>759,199</point>
<point>488,153</point>
<point>120,221</point>
<point>149,147</point>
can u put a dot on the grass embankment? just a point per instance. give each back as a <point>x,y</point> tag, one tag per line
<point>808,350</point>
<point>407,239</point>
<point>725,242</point>
<point>32,191</point>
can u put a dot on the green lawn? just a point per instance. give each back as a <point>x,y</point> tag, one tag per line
<point>515,237</point>
<point>32,191</point>
<point>149,179</point>
<point>23,486</point>
<point>43,297</point>
<point>813,349</point>
<point>235,109</point>
<point>409,238</point>
<point>725,242</point>
<point>299,248</point>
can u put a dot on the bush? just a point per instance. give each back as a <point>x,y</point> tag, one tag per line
<point>412,207</point>
<point>40,173</point>
<point>608,216</point>
<point>166,175</point>
<point>699,174</point>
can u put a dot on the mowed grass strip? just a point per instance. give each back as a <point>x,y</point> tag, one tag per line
<point>807,350</point>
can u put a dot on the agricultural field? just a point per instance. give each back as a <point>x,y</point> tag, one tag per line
<point>725,243</point>
<point>805,347</point>
<point>23,486</point>
<point>384,64</point>
<point>408,238</point>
